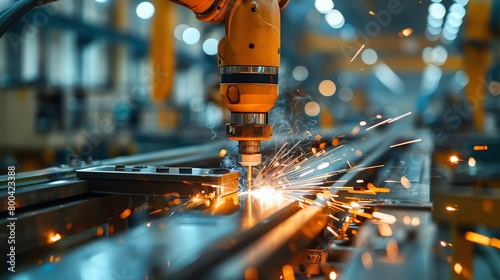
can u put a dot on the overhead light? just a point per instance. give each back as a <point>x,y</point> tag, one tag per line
<point>437,10</point>
<point>145,10</point>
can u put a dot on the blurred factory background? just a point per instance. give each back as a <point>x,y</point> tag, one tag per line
<point>86,81</point>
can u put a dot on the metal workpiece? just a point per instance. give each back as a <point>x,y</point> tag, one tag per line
<point>160,180</point>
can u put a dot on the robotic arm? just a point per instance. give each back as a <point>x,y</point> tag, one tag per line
<point>248,59</point>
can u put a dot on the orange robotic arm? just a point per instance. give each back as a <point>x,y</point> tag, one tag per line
<point>248,58</point>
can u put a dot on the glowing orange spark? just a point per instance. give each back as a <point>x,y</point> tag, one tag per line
<point>458,268</point>
<point>384,229</point>
<point>405,182</point>
<point>333,275</point>
<point>454,159</point>
<point>100,231</point>
<point>407,31</point>
<point>362,214</point>
<point>477,238</point>
<point>480,147</point>
<point>405,143</point>
<point>360,49</point>
<point>392,249</point>
<point>54,238</point>
<point>222,153</point>
<point>155,212</point>
<point>371,13</point>
<point>451,208</point>
<point>332,231</point>
<point>378,124</point>
<point>288,272</point>
<point>494,242</point>
<point>125,214</point>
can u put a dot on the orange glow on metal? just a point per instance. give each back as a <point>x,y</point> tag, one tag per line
<point>288,272</point>
<point>54,238</point>
<point>477,238</point>
<point>367,260</point>
<point>333,275</point>
<point>480,147</point>
<point>125,214</point>
<point>407,31</point>
<point>458,268</point>
<point>100,231</point>
<point>155,212</point>
<point>384,229</point>
<point>454,159</point>
<point>494,242</point>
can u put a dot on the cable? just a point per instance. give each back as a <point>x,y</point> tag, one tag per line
<point>17,10</point>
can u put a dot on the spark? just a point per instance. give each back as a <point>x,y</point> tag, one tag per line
<point>54,238</point>
<point>405,182</point>
<point>362,214</point>
<point>392,249</point>
<point>400,117</point>
<point>387,218</point>
<point>444,244</point>
<point>378,124</point>
<point>472,162</point>
<point>332,231</point>
<point>384,229</point>
<point>357,53</point>
<point>454,159</point>
<point>405,143</point>
<point>480,147</point>
<point>407,31</point>
<point>451,208</point>
<point>477,238</point>
<point>333,217</point>
<point>458,268</point>
<point>371,13</point>
<point>125,214</point>
<point>333,275</point>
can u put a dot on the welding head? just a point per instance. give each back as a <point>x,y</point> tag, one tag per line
<point>249,129</point>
